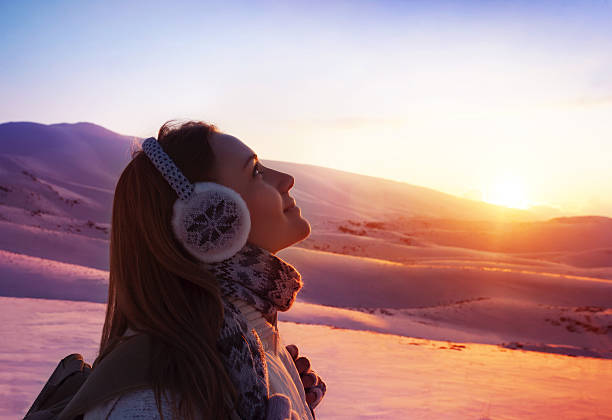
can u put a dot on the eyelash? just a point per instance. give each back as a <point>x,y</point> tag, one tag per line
<point>257,166</point>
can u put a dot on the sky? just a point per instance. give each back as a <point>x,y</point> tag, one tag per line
<point>509,102</point>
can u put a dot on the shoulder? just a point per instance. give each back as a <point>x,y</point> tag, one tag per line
<point>137,404</point>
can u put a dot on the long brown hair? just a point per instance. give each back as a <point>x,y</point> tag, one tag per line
<point>157,288</point>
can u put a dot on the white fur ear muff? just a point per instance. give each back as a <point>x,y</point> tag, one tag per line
<point>213,224</point>
<point>210,220</point>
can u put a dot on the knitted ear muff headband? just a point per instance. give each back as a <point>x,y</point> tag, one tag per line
<point>210,220</point>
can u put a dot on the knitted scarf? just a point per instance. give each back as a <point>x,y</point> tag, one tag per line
<point>270,284</point>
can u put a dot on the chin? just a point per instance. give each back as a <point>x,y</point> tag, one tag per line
<point>298,231</point>
<point>291,229</point>
<point>302,229</point>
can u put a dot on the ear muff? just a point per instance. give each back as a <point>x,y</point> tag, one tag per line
<point>210,220</point>
<point>213,224</point>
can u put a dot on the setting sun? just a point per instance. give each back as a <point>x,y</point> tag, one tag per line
<point>508,191</point>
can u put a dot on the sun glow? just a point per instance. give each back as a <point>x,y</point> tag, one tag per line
<point>507,191</point>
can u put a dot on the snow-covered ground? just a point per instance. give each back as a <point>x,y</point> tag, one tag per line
<point>391,272</point>
<point>368,375</point>
<point>553,313</point>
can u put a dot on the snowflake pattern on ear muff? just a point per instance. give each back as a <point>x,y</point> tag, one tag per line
<point>210,220</point>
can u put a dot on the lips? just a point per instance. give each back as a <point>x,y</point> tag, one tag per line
<point>290,206</point>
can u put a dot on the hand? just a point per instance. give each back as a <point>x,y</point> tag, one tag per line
<point>314,387</point>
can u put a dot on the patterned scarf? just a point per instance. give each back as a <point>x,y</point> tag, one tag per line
<point>270,284</point>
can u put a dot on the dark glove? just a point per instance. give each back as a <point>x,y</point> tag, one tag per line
<point>314,387</point>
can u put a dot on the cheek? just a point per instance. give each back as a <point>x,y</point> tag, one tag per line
<point>265,206</point>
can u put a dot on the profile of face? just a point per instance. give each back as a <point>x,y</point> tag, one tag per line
<point>265,191</point>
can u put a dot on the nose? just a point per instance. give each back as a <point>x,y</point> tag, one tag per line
<point>283,181</point>
<point>290,181</point>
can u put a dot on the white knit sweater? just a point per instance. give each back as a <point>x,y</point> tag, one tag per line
<point>282,373</point>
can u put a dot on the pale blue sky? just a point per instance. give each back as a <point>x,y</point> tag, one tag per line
<point>507,101</point>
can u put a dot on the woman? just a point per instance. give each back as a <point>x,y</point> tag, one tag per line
<point>208,294</point>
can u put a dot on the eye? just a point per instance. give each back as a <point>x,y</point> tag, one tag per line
<point>257,167</point>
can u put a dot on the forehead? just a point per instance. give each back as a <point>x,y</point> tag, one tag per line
<point>229,149</point>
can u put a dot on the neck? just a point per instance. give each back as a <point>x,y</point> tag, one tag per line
<point>260,278</point>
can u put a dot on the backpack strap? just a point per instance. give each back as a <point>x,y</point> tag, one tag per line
<point>124,369</point>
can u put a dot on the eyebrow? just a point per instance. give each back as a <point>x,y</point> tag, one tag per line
<point>253,156</point>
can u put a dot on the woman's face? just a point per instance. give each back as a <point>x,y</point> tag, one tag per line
<point>265,191</point>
